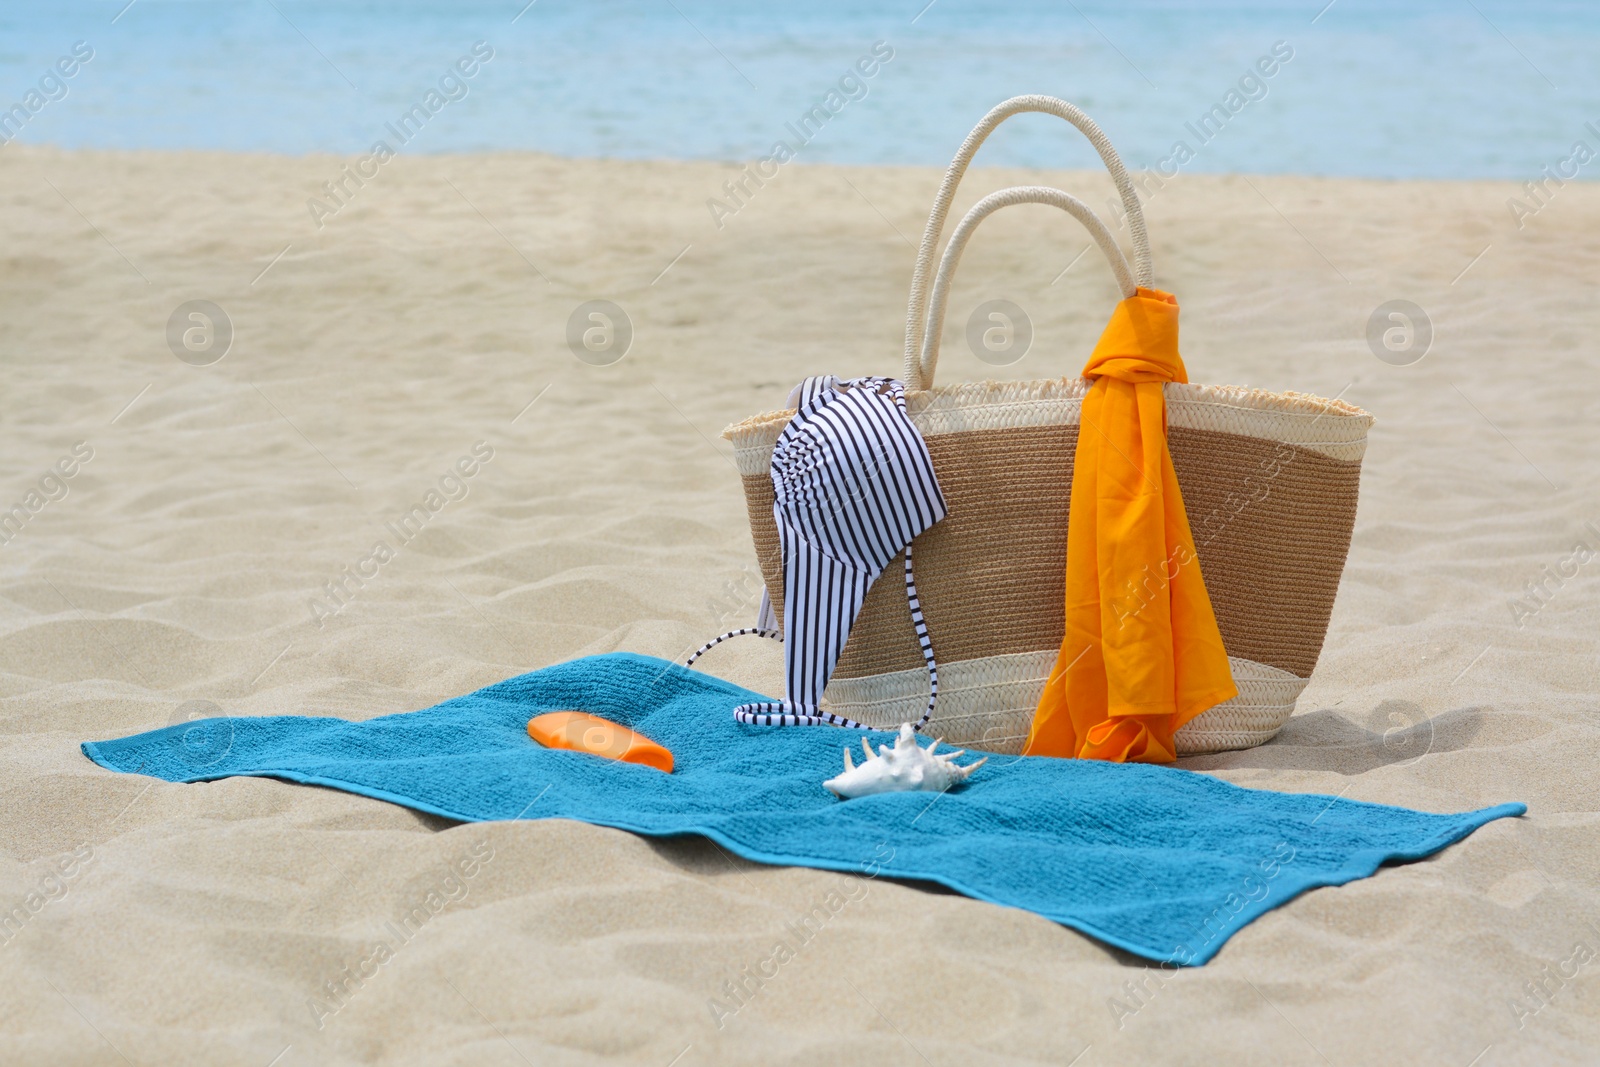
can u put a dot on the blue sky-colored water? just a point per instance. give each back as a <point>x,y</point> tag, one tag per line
<point>1430,88</point>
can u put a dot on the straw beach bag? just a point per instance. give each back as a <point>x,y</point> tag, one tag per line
<point>1269,481</point>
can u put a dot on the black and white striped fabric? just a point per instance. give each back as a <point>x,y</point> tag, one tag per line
<point>853,484</point>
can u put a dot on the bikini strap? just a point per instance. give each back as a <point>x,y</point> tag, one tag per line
<point>715,641</point>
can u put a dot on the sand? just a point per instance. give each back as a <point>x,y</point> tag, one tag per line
<point>200,923</point>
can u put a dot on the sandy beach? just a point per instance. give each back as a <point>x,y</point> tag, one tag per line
<point>425,321</point>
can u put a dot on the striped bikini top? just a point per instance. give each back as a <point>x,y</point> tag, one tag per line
<point>852,484</point>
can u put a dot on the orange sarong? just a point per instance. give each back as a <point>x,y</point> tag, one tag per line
<point>1142,654</point>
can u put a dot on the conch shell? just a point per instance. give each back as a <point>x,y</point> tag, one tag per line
<point>905,768</point>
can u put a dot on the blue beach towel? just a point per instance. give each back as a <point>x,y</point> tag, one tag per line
<point>1164,863</point>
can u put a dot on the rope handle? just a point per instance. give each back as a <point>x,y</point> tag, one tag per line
<point>1020,194</point>
<point>916,311</point>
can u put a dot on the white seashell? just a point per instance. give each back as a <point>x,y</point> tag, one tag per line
<point>905,768</point>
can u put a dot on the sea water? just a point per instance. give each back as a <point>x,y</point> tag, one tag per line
<point>1427,88</point>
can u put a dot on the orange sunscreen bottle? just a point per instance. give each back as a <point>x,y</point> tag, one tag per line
<point>582,732</point>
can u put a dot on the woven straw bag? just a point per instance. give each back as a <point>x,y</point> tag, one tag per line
<point>1269,481</point>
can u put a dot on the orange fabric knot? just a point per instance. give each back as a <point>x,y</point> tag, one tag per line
<point>1142,654</point>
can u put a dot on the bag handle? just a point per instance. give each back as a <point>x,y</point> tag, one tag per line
<point>917,310</point>
<point>1021,194</point>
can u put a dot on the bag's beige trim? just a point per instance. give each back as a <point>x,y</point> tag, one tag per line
<point>988,703</point>
<point>1266,700</point>
<point>1332,427</point>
